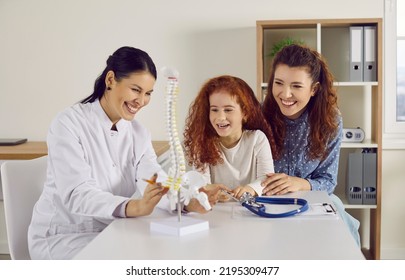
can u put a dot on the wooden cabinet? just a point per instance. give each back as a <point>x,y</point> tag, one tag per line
<point>359,102</point>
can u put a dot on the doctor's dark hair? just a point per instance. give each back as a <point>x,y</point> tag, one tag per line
<point>123,62</point>
<point>323,112</point>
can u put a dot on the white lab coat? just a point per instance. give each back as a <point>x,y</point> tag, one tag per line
<point>91,171</point>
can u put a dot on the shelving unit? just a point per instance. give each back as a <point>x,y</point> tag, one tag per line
<point>360,102</point>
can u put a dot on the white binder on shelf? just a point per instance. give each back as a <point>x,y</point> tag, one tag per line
<point>356,53</point>
<point>369,54</point>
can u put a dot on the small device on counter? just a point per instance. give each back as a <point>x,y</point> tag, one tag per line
<point>353,135</point>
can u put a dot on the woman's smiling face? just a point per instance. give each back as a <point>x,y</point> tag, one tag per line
<point>127,96</point>
<point>292,89</point>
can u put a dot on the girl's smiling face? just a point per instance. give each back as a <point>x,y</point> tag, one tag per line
<point>226,117</point>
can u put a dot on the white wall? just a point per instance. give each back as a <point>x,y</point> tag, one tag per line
<point>51,51</point>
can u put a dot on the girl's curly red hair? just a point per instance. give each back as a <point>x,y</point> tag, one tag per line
<point>201,141</point>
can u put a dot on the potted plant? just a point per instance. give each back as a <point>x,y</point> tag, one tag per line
<point>282,43</point>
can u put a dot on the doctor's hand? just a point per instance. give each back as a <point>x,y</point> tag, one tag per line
<point>212,191</point>
<point>281,183</point>
<point>152,195</point>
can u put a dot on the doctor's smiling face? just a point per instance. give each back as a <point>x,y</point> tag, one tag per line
<point>125,97</point>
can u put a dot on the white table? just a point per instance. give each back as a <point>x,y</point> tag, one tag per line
<point>232,235</point>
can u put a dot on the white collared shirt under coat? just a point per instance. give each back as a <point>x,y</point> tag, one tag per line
<point>91,171</point>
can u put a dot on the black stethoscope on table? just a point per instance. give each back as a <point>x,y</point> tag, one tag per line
<point>256,205</point>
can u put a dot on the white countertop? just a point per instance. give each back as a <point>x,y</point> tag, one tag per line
<point>233,234</point>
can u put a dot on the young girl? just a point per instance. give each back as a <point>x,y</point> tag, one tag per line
<point>226,136</point>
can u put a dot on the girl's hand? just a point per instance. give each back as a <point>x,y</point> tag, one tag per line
<point>239,191</point>
<point>213,191</point>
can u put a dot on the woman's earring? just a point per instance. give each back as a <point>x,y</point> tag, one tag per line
<point>108,88</point>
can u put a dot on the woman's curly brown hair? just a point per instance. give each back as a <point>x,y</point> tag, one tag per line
<point>201,141</point>
<point>322,108</point>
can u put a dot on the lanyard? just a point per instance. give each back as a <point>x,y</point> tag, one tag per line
<point>256,205</point>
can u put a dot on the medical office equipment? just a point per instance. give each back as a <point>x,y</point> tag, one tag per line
<point>257,204</point>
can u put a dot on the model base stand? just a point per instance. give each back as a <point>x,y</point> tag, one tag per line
<point>172,226</point>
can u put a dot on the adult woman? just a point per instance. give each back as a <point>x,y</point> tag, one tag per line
<point>98,156</point>
<point>301,108</point>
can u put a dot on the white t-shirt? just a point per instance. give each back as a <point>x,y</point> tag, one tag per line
<point>245,164</point>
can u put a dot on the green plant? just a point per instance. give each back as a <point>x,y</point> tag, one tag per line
<point>282,43</point>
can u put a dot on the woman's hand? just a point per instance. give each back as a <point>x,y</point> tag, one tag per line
<point>281,183</point>
<point>151,197</point>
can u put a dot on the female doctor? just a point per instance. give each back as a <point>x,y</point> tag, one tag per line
<point>98,156</point>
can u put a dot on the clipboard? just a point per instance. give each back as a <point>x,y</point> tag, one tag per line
<point>12,141</point>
